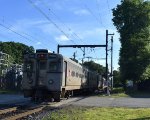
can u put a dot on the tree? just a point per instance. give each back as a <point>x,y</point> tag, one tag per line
<point>15,50</point>
<point>116,76</point>
<point>132,21</point>
<point>95,67</point>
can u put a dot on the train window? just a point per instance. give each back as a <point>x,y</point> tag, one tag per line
<point>76,74</point>
<point>42,65</point>
<point>53,66</point>
<point>80,75</point>
<point>72,73</point>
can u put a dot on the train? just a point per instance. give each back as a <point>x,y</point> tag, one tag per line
<point>51,75</point>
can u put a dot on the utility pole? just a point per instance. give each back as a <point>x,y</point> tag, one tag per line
<point>107,34</point>
<point>112,62</point>
<point>106,55</point>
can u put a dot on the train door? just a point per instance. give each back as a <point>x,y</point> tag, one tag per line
<point>65,73</point>
<point>41,72</point>
<point>28,72</point>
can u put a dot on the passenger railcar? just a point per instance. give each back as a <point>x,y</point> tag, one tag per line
<point>50,75</point>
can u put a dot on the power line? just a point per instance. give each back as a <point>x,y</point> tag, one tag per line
<point>69,29</point>
<point>95,53</point>
<point>108,6</point>
<point>50,20</point>
<point>25,33</point>
<point>100,18</point>
<point>91,12</point>
<point>16,32</point>
<point>47,17</point>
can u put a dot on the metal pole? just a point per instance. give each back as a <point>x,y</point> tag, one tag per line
<point>108,93</point>
<point>106,55</point>
<point>58,49</point>
<point>112,61</point>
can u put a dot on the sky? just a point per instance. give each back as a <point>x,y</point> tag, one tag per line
<point>44,24</point>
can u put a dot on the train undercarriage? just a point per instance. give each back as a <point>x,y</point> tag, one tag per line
<point>38,95</point>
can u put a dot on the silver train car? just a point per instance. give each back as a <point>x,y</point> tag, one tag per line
<point>50,75</point>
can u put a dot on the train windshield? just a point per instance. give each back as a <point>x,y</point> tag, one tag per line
<point>54,66</point>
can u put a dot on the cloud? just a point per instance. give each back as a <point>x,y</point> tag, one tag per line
<point>61,38</point>
<point>81,12</point>
<point>37,2</point>
<point>38,43</point>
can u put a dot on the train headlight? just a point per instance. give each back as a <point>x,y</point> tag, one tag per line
<point>30,81</point>
<point>50,81</point>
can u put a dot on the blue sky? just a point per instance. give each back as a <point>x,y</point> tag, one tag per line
<point>82,21</point>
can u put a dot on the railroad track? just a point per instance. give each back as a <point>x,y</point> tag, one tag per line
<point>18,113</point>
<point>15,113</point>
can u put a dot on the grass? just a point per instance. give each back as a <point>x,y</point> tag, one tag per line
<point>94,113</point>
<point>119,92</point>
<point>8,92</point>
<point>114,95</point>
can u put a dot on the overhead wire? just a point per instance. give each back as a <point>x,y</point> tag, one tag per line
<point>69,29</point>
<point>50,20</point>
<point>19,34</point>
<point>110,12</point>
<point>91,12</point>
<point>95,53</point>
<point>2,35</point>
<point>26,34</point>
<point>14,31</point>
<point>100,18</point>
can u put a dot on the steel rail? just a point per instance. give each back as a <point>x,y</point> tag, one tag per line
<point>24,114</point>
<point>4,111</point>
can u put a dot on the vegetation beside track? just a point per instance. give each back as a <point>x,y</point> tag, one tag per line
<point>120,92</point>
<point>94,113</point>
<point>116,92</point>
<point>9,92</point>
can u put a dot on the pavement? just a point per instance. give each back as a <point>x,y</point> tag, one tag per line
<point>113,102</point>
<point>12,99</point>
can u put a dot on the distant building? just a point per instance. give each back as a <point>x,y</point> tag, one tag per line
<point>10,74</point>
<point>4,62</point>
<point>6,65</point>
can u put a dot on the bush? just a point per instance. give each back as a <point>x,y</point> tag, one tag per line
<point>118,90</point>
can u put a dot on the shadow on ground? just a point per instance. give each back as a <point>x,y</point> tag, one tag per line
<point>138,94</point>
<point>144,118</point>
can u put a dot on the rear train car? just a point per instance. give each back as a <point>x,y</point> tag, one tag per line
<point>50,75</point>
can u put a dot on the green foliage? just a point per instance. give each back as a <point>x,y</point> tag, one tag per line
<point>98,113</point>
<point>118,90</point>
<point>95,67</point>
<point>117,80</point>
<point>132,20</point>
<point>146,73</point>
<point>15,50</point>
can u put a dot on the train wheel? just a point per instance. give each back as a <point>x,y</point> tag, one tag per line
<point>63,93</point>
<point>57,97</point>
<point>68,94</point>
